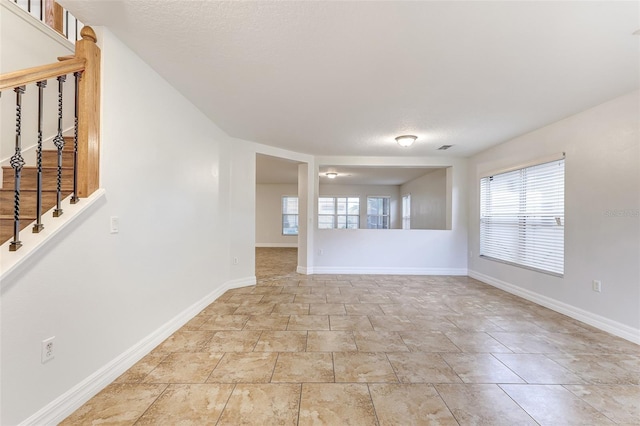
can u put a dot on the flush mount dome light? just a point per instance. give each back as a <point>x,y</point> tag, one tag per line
<point>331,175</point>
<point>406,140</point>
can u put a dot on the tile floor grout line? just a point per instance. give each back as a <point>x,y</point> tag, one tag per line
<point>167,385</point>
<point>445,403</point>
<point>518,404</point>
<point>226,403</point>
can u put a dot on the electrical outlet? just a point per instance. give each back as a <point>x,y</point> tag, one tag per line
<point>235,260</point>
<point>114,225</point>
<point>320,252</point>
<point>48,349</point>
<point>596,285</point>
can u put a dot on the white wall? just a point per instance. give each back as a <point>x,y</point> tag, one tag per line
<point>364,191</point>
<point>99,294</point>
<point>397,251</point>
<point>428,200</point>
<point>602,201</point>
<point>269,215</point>
<point>18,30</point>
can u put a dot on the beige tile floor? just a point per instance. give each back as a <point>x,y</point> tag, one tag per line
<point>374,350</point>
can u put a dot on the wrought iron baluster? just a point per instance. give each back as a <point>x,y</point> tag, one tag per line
<point>66,24</point>
<point>74,198</point>
<point>17,162</point>
<point>58,141</point>
<point>38,226</point>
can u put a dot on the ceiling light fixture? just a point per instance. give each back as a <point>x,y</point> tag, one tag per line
<point>331,175</point>
<point>406,140</point>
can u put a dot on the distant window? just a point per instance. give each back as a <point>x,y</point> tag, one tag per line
<point>522,217</point>
<point>289,215</point>
<point>406,211</point>
<point>378,212</point>
<point>338,212</point>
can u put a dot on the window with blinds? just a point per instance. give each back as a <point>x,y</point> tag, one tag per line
<point>378,212</point>
<point>289,215</point>
<point>522,217</point>
<point>338,212</point>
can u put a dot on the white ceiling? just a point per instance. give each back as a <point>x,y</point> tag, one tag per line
<point>274,170</point>
<point>345,78</point>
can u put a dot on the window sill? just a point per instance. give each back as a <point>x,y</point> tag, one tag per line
<point>11,261</point>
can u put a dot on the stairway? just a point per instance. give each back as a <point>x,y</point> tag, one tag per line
<point>28,189</point>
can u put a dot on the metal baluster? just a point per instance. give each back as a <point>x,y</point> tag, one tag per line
<point>58,141</point>
<point>41,10</point>
<point>17,162</point>
<point>74,198</point>
<point>66,24</point>
<point>38,226</point>
<point>29,6</point>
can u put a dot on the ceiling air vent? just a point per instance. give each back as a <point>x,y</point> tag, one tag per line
<point>444,147</point>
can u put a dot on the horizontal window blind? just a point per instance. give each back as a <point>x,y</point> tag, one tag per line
<point>522,217</point>
<point>289,215</point>
<point>338,212</point>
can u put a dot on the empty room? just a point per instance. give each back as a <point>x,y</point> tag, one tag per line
<point>319,212</point>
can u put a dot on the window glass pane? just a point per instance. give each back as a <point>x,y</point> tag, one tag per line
<point>354,205</point>
<point>341,205</point>
<point>372,205</point>
<point>289,215</point>
<point>325,222</point>
<point>290,224</point>
<point>352,222</point>
<point>378,212</point>
<point>289,205</point>
<point>326,205</point>
<point>406,211</point>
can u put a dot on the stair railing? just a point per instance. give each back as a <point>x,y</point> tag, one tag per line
<point>54,15</point>
<point>85,67</point>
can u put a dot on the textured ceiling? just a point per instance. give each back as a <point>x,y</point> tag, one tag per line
<point>345,78</point>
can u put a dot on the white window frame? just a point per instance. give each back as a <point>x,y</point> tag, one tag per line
<point>522,216</point>
<point>335,215</point>
<point>286,214</point>
<point>406,211</point>
<point>380,221</point>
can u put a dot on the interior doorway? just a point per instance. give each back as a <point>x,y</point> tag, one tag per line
<point>277,212</point>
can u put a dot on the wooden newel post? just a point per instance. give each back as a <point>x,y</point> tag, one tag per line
<point>88,114</point>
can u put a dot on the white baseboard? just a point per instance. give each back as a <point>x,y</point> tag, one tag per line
<point>60,408</point>
<point>277,245</point>
<point>304,270</point>
<point>368,270</point>
<point>605,324</point>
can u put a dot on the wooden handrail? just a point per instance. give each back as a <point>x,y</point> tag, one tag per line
<point>43,72</point>
<point>86,60</point>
